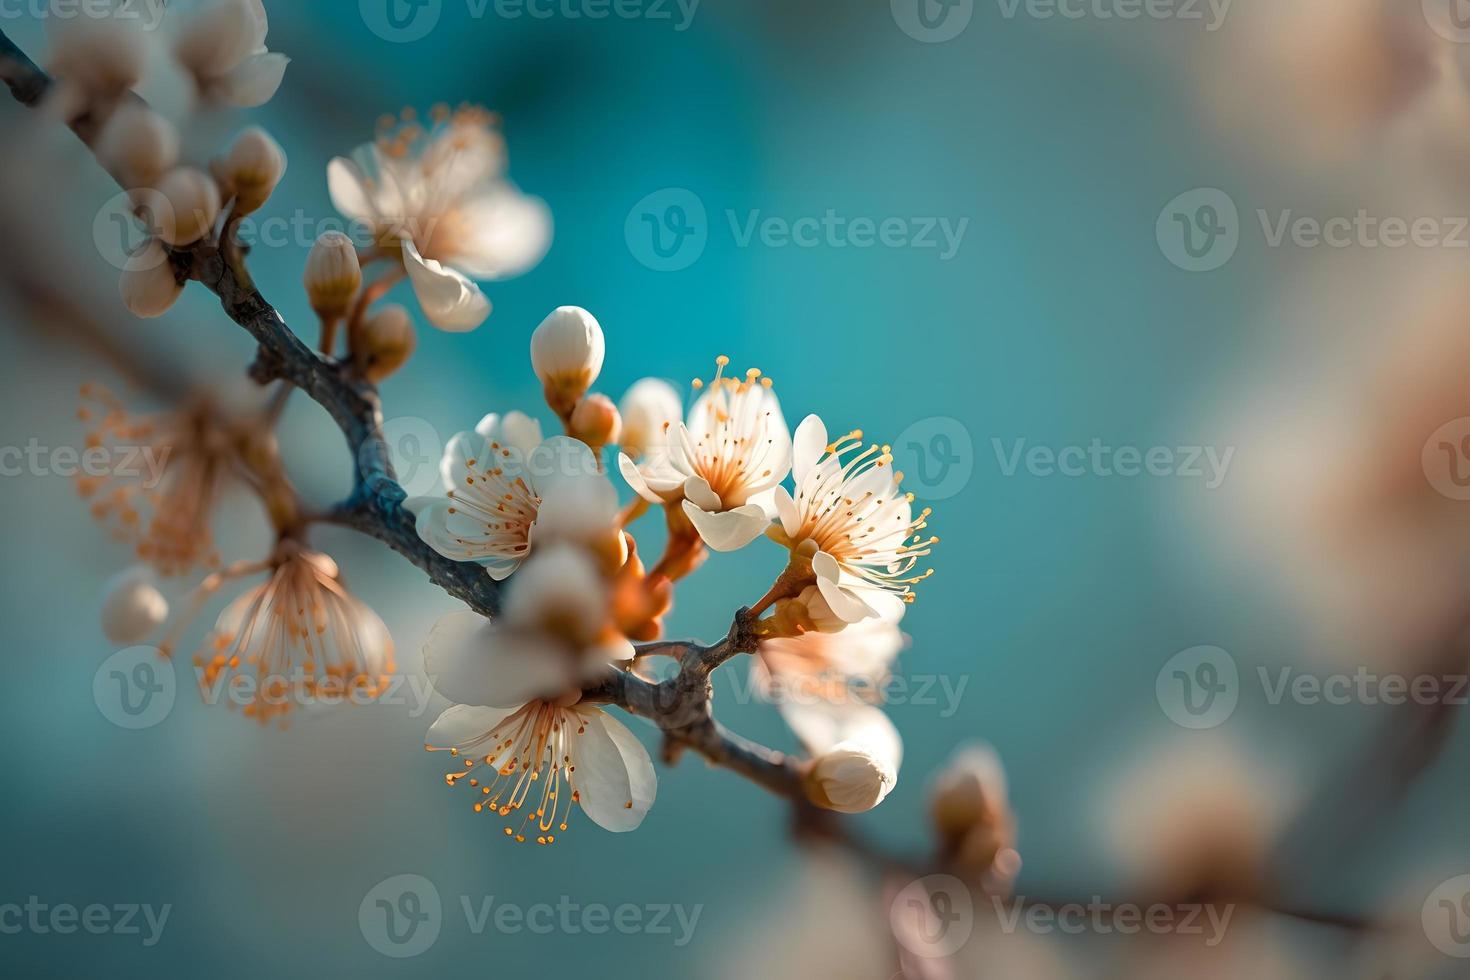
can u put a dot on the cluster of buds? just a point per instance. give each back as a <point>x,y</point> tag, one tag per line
<point>100,61</point>
<point>180,205</point>
<point>102,56</point>
<point>177,205</point>
<point>972,816</point>
<point>379,341</point>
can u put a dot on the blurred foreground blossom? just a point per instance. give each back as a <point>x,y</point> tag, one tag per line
<point>1350,496</point>
<point>971,810</point>
<point>439,204</point>
<point>517,683</point>
<point>1195,817</point>
<point>221,43</point>
<point>300,637</point>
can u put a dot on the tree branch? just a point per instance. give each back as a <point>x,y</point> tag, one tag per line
<point>681,706</point>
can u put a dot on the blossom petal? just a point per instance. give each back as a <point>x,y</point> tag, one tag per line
<point>347,185</point>
<point>807,447</point>
<point>520,432</point>
<point>730,530</point>
<point>262,23</point>
<point>697,490</point>
<point>786,509</point>
<point>509,232</point>
<point>888,607</point>
<point>253,82</point>
<point>218,36</point>
<point>454,465</point>
<point>460,537</point>
<point>844,600</point>
<point>463,726</point>
<point>615,780</point>
<point>825,725</point>
<point>766,501</point>
<point>635,479</point>
<point>473,661</point>
<point>562,459</point>
<point>449,300</point>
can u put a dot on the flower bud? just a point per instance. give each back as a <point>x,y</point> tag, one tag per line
<point>251,169</point>
<point>649,409</point>
<point>149,287</point>
<point>969,807</point>
<point>596,422</point>
<point>851,778</point>
<point>138,146</point>
<point>333,275</point>
<point>968,790</point>
<point>132,606</point>
<point>819,611</point>
<point>383,342</point>
<point>100,56</point>
<point>567,351</point>
<point>187,206</point>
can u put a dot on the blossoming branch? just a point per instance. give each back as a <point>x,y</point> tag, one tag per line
<point>564,611</point>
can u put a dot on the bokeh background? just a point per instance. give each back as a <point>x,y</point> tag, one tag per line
<point>1062,317</point>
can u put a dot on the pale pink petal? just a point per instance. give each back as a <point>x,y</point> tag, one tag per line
<point>844,600</point>
<point>347,185</point>
<point>253,82</point>
<point>730,530</point>
<point>510,233</point>
<point>635,479</point>
<point>697,490</point>
<point>465,726</point>
<point>449,300</point>
<point>786,509</point>
<point>808,446</point>
<point>615,780</point>
<point>471,660</point>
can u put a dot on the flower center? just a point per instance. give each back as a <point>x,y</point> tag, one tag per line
<point>503,506</point>
<point>163,478</point>
<point>857,513</point>
<point>732,451</point>
<point>303,637</point>
<point>531,770</point>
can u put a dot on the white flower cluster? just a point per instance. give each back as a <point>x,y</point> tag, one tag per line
<point>535,511</point>
<point>544,511</point>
